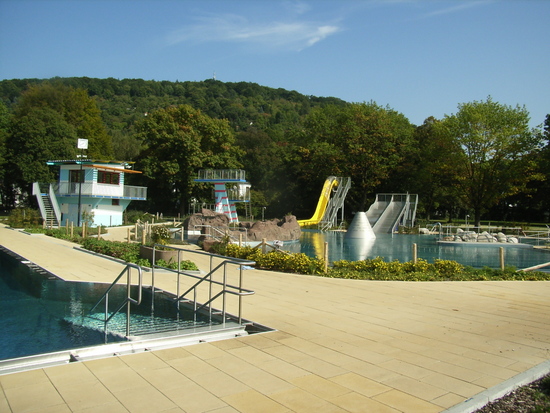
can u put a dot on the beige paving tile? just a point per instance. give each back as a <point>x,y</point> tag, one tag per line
<point>489,358</point>
<point>320,387</point>
<point>319,367</point>
<point>144,399</point>
<point>370,371</point>
<point>448,400</point>
<point>229,344</point>
<point>120,378</point>
<point>354,402</point>
<point>264,340</point>
<point>105,364</point>
<point>10,381</point>
<point>165,378</point>
<point>282,369</point>
<point>251,354</point>
<point>193,398</point>
<point>286,353</point>
<point>226,409</point>
<point>253,402</point>
<point>279,335</point>
<point>262,381</point>
<point>111,407</point>
<point>220,384</point>
<point>452,385</point>
<point>63,375</point>
<point>231,364</point>
<point>53,409</point>
<point>406,403</point>
<point>415,387</point>
<point>176,353</point>
<point>4,406</point>
<point>360,384</point>
<point>406,369</point>
<point>33,396</point>
<point>192,366</point>
<point>455,371</point>
<point>298,400</point>
<point>144,361</point>
<point>85,395</point>
<point>205,351</point>
<point>487,381</point>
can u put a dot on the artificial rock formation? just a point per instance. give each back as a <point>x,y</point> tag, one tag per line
<point>286,229</point>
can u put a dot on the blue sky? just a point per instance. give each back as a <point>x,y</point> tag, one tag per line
<point>421,58</point>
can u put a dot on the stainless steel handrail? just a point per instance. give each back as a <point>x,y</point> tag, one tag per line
<point>237,290</point>
<point>127,301</point>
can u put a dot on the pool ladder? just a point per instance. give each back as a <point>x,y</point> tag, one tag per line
<point>128,301</point>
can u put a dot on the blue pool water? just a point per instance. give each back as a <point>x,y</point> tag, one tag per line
<point>42,314</point>
<point>399,247</point>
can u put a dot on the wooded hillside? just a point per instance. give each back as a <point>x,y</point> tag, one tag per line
<point>287,142</point>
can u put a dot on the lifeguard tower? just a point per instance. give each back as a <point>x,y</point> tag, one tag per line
<point>230,187</point>
<point>87,186</point>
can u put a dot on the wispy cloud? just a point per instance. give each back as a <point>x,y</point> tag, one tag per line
<point>457,7</point>
<point>292,35</point>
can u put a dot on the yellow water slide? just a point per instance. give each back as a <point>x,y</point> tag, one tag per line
<point>330,183</point>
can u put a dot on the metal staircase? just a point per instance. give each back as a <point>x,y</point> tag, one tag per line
<point>335,204</point>
<point>389,211</point>
<point>47,202</point>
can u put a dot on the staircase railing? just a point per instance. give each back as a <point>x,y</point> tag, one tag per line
<point>208,280</point>
<point>128,300</point>
<point>55,205</point>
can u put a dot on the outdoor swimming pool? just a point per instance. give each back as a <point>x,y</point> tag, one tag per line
<point>40,313</point>
<point>399,247</point>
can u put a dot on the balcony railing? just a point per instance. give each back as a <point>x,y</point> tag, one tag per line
<point>222,175</point>
<point>135,192</point>
<point>100,190</point>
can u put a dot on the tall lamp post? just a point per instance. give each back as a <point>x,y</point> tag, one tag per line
<point>82,145</point>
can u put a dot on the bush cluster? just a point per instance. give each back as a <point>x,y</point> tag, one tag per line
<point>278,260</point>
<point>160,234</point>
<point>24,217</point>
<point>133,216</point>
<point>122,250</point>
<point>130,253</point>
<point>444,268</point>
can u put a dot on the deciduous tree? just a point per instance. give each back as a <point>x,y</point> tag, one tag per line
<point>364,141</point>
<point>178,142</point>
<point>496,158</point>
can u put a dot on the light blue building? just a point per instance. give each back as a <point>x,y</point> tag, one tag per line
<point>95,188</point>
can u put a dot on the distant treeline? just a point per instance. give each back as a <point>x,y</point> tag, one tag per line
<point>287,142</point>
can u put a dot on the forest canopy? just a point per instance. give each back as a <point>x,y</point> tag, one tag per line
<point>287,142</point>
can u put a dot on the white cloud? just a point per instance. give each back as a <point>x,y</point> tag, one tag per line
<point>294,35</point>
<point>457,7</point>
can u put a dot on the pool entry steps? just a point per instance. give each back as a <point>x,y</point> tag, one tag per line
<point>132,317</point>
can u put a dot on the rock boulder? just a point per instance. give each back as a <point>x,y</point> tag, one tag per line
<point>286,229</point>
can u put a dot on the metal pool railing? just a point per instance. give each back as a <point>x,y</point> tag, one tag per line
<point>127,301</point>
<point>207,280</point>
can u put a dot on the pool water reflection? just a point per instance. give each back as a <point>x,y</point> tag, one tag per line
<point>399,247</point>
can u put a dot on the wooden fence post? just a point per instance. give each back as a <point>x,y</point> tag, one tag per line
<point>325,253</point>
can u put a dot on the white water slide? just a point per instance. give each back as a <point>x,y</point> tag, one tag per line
<point>389,211</point>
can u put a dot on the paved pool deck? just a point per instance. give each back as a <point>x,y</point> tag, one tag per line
<point>339,346</point>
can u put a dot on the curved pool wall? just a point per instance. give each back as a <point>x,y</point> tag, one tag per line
<point>399,247</point>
